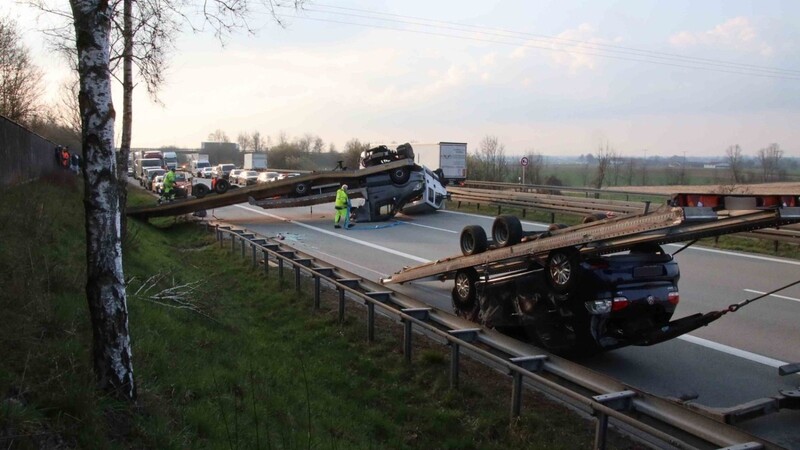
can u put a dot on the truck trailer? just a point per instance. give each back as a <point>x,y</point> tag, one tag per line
<point>450,158</point>
<point>255,161</point>
<point>597,286</point>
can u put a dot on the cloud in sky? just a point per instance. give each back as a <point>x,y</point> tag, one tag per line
<point>737,33</point>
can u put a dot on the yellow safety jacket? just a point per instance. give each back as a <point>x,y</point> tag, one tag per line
<point>341,199</point>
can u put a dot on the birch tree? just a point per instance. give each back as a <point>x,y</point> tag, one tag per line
<point>105,286</point>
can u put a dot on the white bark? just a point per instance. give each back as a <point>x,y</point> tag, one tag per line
<point>105,287</point>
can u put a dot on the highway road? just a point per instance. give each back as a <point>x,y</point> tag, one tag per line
<point>732,361</point>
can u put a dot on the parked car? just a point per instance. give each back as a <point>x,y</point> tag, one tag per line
<point>267,177</point>
<point>158,183</point>
<point>148,176</point>
<point>222,171</point>
<point>234,174</point>
<point>205,172</point>
<point>247,177</point>
<point>183,184</point>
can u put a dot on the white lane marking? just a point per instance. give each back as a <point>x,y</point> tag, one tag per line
<point>742,255</point>
<point>328,255</point>
<point>688,338</point>
<point>767,361</point>
<point>347,238</point>
<point>752,291</point>
<point>425,226</point>
<point>536,224</point>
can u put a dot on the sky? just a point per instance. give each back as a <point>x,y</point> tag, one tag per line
<point>555,77</point>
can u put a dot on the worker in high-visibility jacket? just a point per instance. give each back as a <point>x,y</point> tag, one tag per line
<point>168,186</point>
<point>342,206</point>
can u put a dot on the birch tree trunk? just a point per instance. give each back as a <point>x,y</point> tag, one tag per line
<point>105,287</point>
<point>127,110</point>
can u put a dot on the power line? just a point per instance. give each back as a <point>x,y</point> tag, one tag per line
<point>546,38</point>
<point>518,39</point>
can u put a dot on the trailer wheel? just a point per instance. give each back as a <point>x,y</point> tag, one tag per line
<point>473,240</point>
<point>221,186</point>
<point>464,289</point>
<point>400,175</point>
<point>562,269</point>
<point>200,190</point>
<point>506,230</point>
<point>301,189</point>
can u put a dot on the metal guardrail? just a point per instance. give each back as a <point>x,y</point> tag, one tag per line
<point>544,188</point>
<point>661,423</point>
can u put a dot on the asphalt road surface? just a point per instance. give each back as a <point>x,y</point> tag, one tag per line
<point>732,361</point>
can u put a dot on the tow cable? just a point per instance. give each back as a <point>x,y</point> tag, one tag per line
<point>690,323</point>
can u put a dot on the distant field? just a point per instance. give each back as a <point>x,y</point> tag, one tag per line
<point>582,175</point>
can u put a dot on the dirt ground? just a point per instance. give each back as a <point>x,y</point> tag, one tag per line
<point>789,188</point>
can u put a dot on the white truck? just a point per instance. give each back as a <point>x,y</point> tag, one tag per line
<point>449,158</point>
<point>198,162</point>
<point>171,160</point>
<point>255,161</point>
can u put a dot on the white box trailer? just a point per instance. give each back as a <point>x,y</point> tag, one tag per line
<point>451,157</point>
<point>255,161</point>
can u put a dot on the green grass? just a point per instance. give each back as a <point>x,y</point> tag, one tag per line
<point>249,365</point>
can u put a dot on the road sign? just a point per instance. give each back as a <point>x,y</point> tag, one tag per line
<point>524,161</point>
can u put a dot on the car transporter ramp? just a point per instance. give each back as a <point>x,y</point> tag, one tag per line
<point>687,217</point>
<point>307,189</point>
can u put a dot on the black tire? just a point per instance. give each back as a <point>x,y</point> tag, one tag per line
<point>301,189</point>
<point>562,268</point>
<point>464,289</point>
<point>405,151</point>
<point>506,230</point>
<point>222,186</point>
<point>473,240</point>
<point>400,175</point>
<point>200,190</point>
<point>440,175</point>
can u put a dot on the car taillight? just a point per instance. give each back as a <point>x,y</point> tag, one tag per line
<point>619,303</point>
<point>673,298</point>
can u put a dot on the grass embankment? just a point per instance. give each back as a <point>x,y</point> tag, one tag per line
<point>728,242</point>
<point>242,364</point>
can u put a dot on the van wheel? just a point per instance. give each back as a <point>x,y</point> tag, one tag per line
<point>301,189</point>
<point>400,175</point>
<point>200,190</point>
<point>464,289</point>
<point>562,269</point>
<point>506,230</point>
<point>473,240</point>
<point>222,186</point>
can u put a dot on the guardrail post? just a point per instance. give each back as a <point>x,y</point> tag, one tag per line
<point>255,261</point>
<point>380,296</point>
<point>280,271</point>
<point>523,213</point>
<point>529,363</point>
<point>416,313</point>
<point>466,334</point>
<point>316,292</point>
<point>370,321</point>
<point>265,254</point>
<point>233,242</point>
<point>552,217</point>
<point>244,246</point>
<point>617,401</point>
<point>297,277</point>
<point>341,304</point>
<point>499,209</point>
